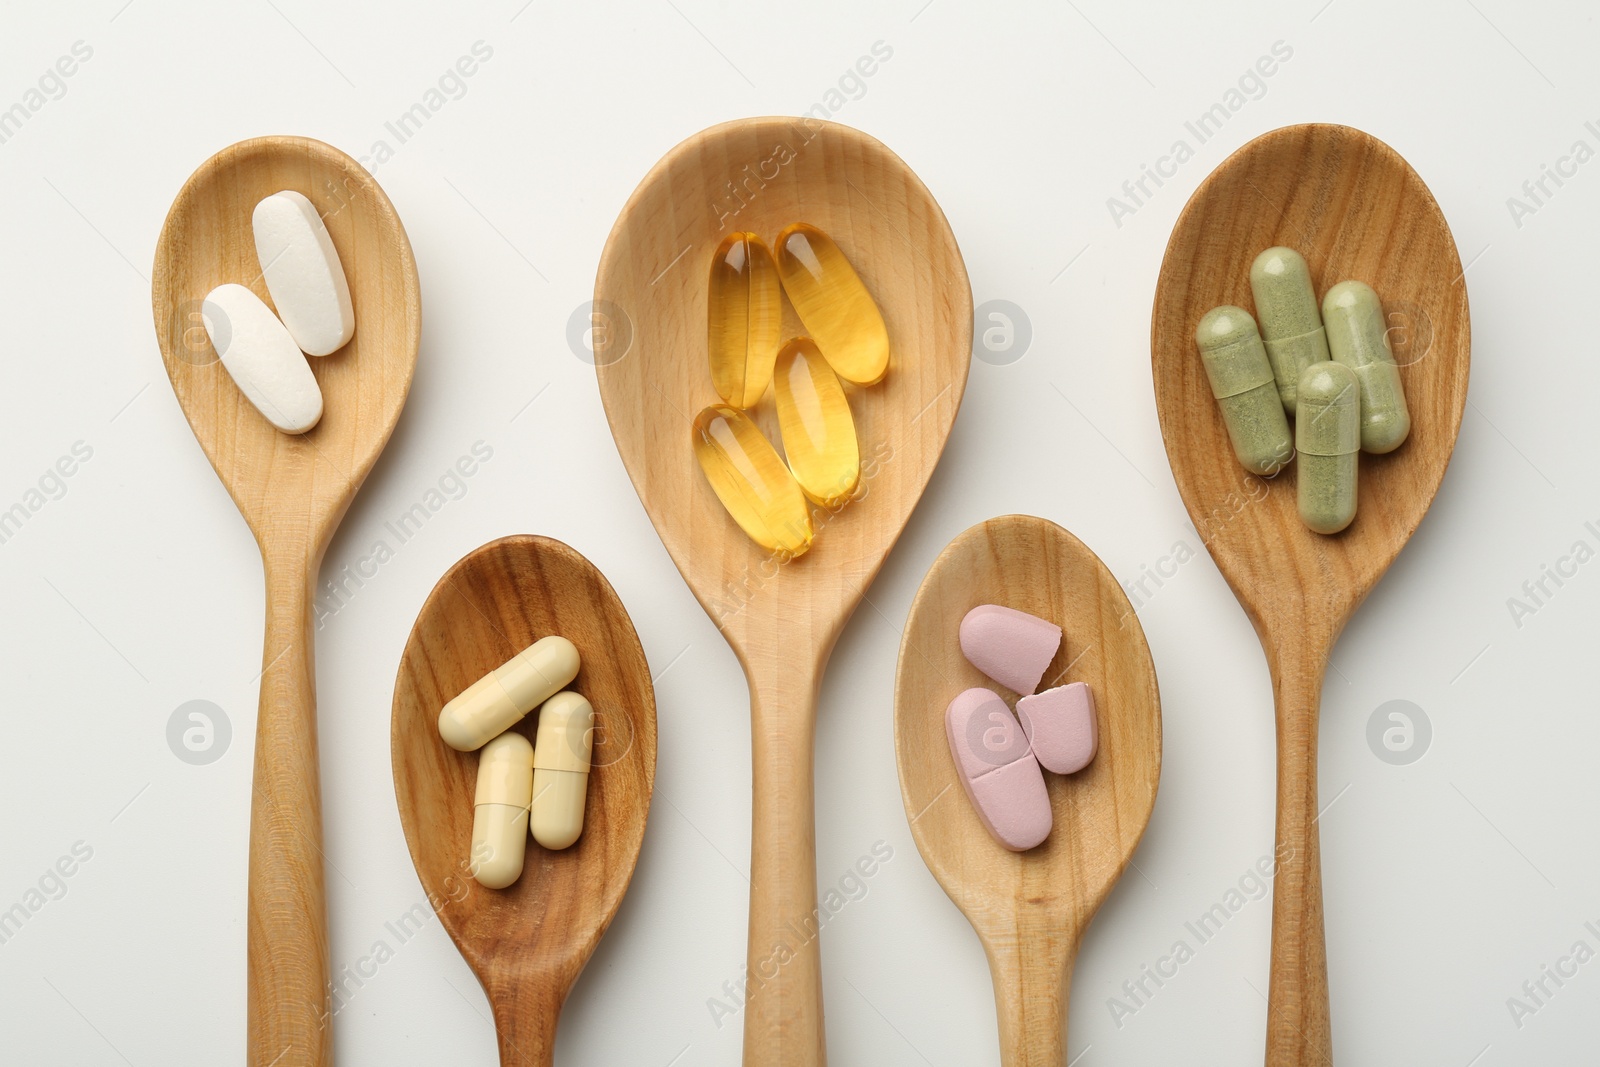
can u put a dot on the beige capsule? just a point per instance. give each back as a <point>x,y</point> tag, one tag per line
<point>497,701</point>
<point>561,759</point>
<point>500,810</point>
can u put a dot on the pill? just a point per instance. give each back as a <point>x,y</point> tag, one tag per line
<point>997,769</point>
<point>744,318</point>
<point>834,304</point>
<point>500,810</point>
<point>561,758</point>
<point>819,435</point>
<point>1059,724</point>
<point>1010,646</point>
<point>1241,380</point>
<point>1327,436</point>
<point>745,472</point>
<point>303,273</point>
<point>1358,337</point>
<point>263,359</point>
<point>498,700</point>
<point>1291,326</point>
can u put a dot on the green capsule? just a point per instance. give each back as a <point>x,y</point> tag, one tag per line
<point>1290,325</point>
<point>1327,441</point>
<point>1358,337</point>
<point>1241,380</point>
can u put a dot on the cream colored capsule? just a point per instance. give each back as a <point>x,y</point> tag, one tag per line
<point>561,769</point>
<point>494,703</point>
<point>500,810</point>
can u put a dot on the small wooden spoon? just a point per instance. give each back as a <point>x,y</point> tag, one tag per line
<point>1354,209</point>
<point>1029,908</point>
<point>527,942</point>
<point>782,619</point>
<point>292,490</point>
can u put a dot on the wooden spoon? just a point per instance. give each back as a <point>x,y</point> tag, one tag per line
<point>292,490</point>
<point>1354,208</point>
<point>782,619</point>
<point>1029,908</point>
<point>527,942</point>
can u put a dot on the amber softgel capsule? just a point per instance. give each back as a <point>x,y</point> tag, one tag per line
<point>819,434</point>
<point>753,484</point>
<point>833,302</point>
<point>744,305</point>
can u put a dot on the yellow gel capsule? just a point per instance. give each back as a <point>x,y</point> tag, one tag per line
<point>831,300</point>
<point>500,810</point>
<point>745,318</point>
<point>751,481</point>
<point>561,759</point>
<point>819,436</point>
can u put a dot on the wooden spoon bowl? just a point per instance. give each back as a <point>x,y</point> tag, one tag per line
<point>782,618</point>
<point>527,942</point>
<point>292,490</point>
<point>1355,210</point>
<point>1029,908</point>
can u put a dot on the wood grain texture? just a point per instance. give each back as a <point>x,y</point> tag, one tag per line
<point>1029,908</point>
<point>1354,209</point>
<point>292,490</point>
<point>781,618</point>
<point>528,942</point>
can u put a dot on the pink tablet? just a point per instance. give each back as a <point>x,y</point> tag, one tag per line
<point>1060,727</point>
<point>1010,646</point>
<point>997,769</point>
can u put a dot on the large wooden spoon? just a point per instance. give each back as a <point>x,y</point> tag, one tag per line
<point>293,492</point>
<point>782,619</point>
<point>1029,908</point>
<point>527,942</point>
<point>1354,208</point>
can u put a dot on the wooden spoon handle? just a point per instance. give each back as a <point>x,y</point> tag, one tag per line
<point>288,1004</point>
<point>1298,1029</point>
<point>783,1009</point>
<point>1032,975</point>
<point>527,1006</point>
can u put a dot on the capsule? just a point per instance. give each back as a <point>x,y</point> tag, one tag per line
<point>833,303</point>
<point>500,810</point>
<point>561,769</point>
<point>1358,337</point>
<point>494,703</point>
<point>1291,327</point>
<point>1241,380</point>
<point>819,436</point>
<point>751,481</point>
<point>745,318</point>
<point>1327,437</point>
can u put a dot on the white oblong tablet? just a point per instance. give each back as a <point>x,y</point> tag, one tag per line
<point>303,273</point>
<point>262,358</point>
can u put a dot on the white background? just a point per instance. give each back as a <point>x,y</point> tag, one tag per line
<point>1449,881</point>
